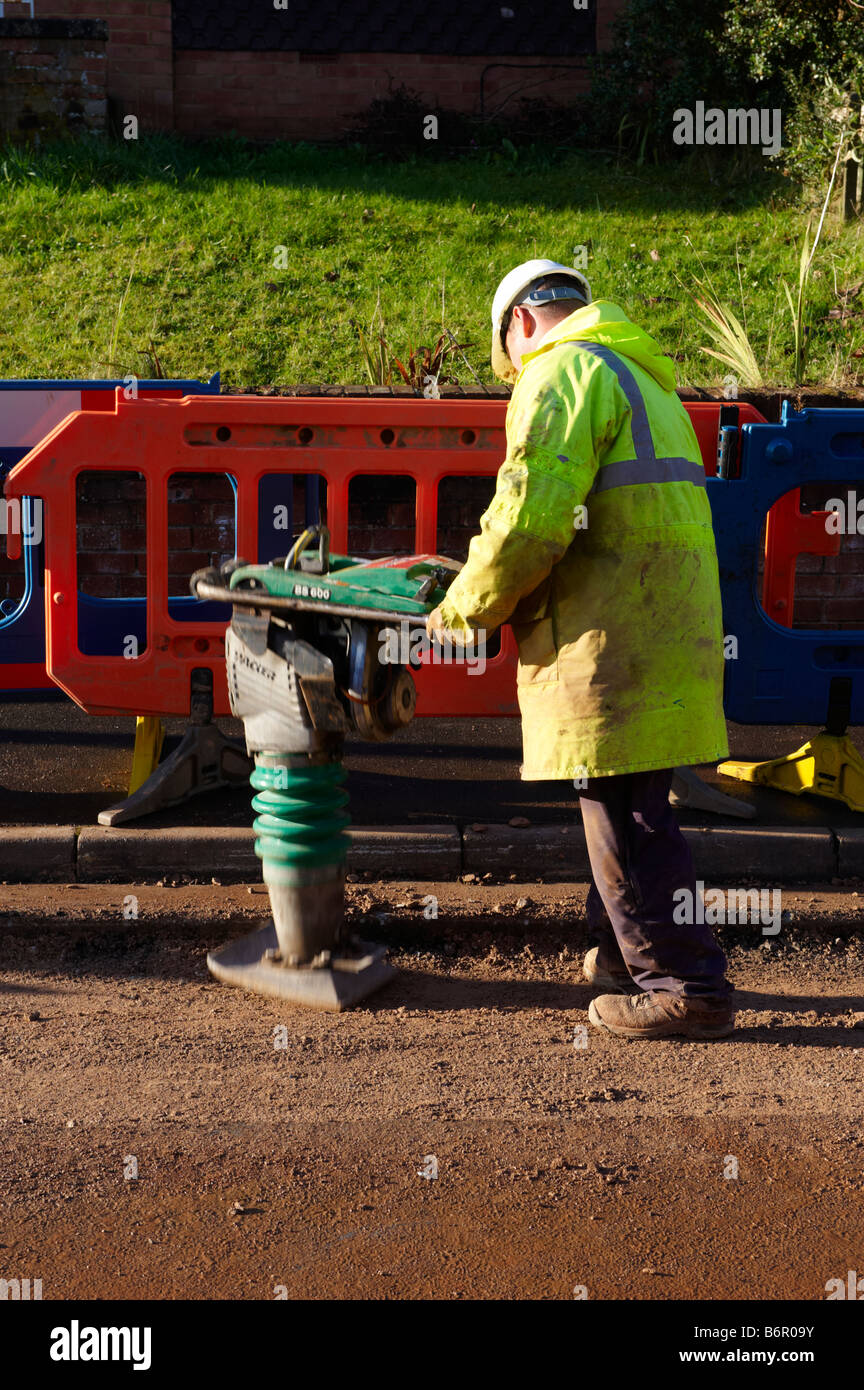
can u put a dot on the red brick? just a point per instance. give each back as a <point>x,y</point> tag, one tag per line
<point>844,610</point>
<point>809,564</point>
<point>808,612</point>
<point>131,34</point>
<point>214,537</point>
<point>132,538</point>
<point>385,538</point>
<point>137,58</point>
<point>99,538</point>
<point>201,486</point>
<point>104,513</point>
<point>816,585</point>
<point>46,60</point>
<point>193,82</point>
<point>847,562</point>
<point>195,560</point>
<point>116,562</point>
<point>110,586</point>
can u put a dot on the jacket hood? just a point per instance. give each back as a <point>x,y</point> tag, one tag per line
<point>605,323</point>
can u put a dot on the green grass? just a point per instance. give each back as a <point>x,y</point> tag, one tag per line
<point>184,236</point>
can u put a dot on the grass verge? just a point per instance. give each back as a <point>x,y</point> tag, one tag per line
<point>262,261</point>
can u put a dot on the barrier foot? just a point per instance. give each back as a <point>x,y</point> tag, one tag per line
<point>203,760</point>
<point>688,789</point>
<point>827,765</point>
<point>149,738</point>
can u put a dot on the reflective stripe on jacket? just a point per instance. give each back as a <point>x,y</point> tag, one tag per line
<point>598,547</point>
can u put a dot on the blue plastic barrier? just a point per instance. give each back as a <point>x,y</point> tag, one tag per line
<point>783,675</point>
<point>28,411</point>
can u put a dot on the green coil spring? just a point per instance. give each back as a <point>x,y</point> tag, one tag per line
<point>301,821</point>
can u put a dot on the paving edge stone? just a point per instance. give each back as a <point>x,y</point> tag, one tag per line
<point>120,855</point>
<point>721,853</point>
<point>850,853</point>
<point>37,854</point>
<point>556,852</point>
<point>115,854</point>
<point>775,854</point>
<point>415,851</point>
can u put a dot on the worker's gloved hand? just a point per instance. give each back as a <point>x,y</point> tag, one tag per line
<point>434,625</point>
<point>438,629</point>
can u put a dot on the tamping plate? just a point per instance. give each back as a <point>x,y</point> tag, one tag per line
<point>349,977</point>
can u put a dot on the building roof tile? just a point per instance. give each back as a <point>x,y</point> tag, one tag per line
<point>527,28</point>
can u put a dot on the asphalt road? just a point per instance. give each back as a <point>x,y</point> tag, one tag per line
<point>60,766</point>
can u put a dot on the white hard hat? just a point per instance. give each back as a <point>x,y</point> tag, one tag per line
<point>511,291</point>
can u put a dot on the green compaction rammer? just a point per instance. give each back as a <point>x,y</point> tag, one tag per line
<point>309,659</point>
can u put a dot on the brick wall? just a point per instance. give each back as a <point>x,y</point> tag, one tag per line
<point>140,55</point>
<point>53,77</point>
<point>289,96</point>
<point>112,560</point>
<point>112,557</point>
<point>829,589</point>
<point>293,95</point>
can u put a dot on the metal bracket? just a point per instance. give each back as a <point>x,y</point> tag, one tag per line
<point>688,789</point>
<point>204,760</point>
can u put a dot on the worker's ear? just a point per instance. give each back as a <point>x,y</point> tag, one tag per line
<point>526,319</point>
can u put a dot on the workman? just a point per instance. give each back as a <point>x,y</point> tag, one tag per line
<point>598,548</point>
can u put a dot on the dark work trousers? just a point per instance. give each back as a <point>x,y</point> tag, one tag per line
<point>639,858</point>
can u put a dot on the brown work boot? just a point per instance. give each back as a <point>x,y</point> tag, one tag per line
<point>657,1014</point>
<point>602,974</point>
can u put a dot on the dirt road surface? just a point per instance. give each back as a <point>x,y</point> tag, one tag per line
<point>283,1153</point>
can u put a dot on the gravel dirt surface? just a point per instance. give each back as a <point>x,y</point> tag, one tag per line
<point>281,1151</point>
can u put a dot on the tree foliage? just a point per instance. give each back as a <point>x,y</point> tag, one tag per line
<point>804,56</point>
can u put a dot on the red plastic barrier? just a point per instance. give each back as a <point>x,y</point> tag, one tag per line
<point>789,532</point>
<point>248,437</point>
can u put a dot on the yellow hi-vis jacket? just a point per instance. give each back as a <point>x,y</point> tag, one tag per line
<point>598,546</point>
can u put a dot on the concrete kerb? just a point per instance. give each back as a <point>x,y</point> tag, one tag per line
<point>777,855</point>
<point>122,855</point>
<point>850,853</point>
<point>556,852</point>
<point>723,854</point>
<point>37,854</point>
